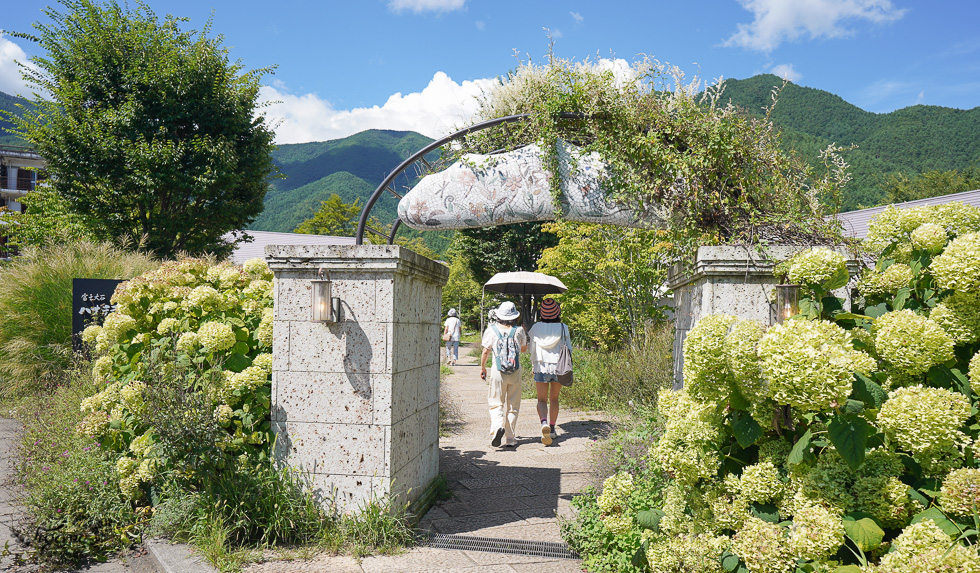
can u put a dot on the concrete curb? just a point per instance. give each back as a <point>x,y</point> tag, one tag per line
<point>169,557</point>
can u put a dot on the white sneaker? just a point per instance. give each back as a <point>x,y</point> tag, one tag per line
<point>546,434</point>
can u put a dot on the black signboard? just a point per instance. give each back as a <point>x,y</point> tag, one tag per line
<point>90,304</point>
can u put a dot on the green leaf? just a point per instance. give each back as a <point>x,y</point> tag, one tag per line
<point>729,561</point>
<point>868,391</point>
<point>738,402</point>
<point>863,530</point>
<point>898,303</point>
<point>237,362</point>
<point>847,569</point>
<point>640,557</point>
<point>800,449</point>
<point>849,434</point>
<point>240,348</point>
<point>853,407</point>
<point>836,280</point>
<point>933,513</point>
<point>831,305</point>
<point>809,308</point>
<point>850,316</point>
<point>649,519</point>
<point>916,496</point>
<point>745,428</point>
<point>876,310</point>
<point>765,512</point>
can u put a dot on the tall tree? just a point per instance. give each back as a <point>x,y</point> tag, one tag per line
<point>493,250</point>
<point>151,130</point>
<point>332,217</point>
<point>900,187</point>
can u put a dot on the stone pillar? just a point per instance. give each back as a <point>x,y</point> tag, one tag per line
<point>730,280</point>
<point>355,404</point>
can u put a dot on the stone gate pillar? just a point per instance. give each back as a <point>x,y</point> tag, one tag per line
<point>355,404</point>
<point>731,280</point>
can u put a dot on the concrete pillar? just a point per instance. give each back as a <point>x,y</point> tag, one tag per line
<point>356,403</point>
<point>730,280</point>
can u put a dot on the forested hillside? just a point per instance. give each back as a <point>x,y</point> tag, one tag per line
<point>9,103</point>
<point>911,140</point>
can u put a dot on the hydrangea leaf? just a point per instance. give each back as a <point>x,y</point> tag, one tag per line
<point>944,523</point>
<point>745,428</point>
<point>836,280</point>
<point>849,434</point>
<point>237,362</point>
<point>898,303</point>
<point>729,561</point>
<point>847,569</point>
<point>765,512</point>
<point>876,310</point>
<point>869,392</point>
<point>649,519</point>
<point>738,402</point>
<point>801,450</point>
<point>863,531</point>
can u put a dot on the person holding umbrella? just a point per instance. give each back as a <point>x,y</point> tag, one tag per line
<point>546,339</point>
<point>504,340</point>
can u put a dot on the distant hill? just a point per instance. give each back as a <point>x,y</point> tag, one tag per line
<point>911,140</point>
<point>9,103</point>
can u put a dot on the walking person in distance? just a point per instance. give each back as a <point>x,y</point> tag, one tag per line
<point>546,340</point>
<point>504,340</point>
<point>451,333</point>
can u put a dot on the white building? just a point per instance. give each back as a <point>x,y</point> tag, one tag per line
<point>19,170</point>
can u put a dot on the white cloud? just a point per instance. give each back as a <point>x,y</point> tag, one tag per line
<point>481,25</point>
<point>577,17</point>
<point>418,6</point>
<point>787,72</point>
<point>921,98</point>
<point>777,21</point>
<point>439,109</point>
<point>11,81</point>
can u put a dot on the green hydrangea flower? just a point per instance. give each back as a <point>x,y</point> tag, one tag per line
<point>264,332</point>
<point>816,533</point>
<point>810,364</point>
<point>216,336</point>
<point>761,483</point>
<point>911,342</point>
<point>929,237</point>
<point>706,374</point>
<point>885,498</point>
<point>960,492</point>
<point>923,546</point>
<point>167,326</point>
<point>958,267</point>
<point>896,276</point>
<point>974,373</point>
<point>763,547</point>
<point>959,316</point>
<point>695,553</point>
<point>742,356</point>
<point>924,421</point>
<point>815,266</point>
<point>686,450</point>
<point>223,414</point>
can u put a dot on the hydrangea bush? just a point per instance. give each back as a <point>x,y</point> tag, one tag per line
<point>842,440</point>
<point>204,327</point>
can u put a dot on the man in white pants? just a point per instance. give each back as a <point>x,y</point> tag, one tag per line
<point>504,392</point>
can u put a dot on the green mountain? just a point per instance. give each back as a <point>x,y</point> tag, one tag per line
<point>911,140</point>
<point>9,103</point>
<point>351,167</point>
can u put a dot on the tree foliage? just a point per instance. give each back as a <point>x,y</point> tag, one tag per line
<point>675,151</point>
<point>46,220</point>
<point>151,130</point>
<point>333,217</point>
<point>901,187</point>
<point>615,278</point>
<point>462,292</point>
<point>504,248</point>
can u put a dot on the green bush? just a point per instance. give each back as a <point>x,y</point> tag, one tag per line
<point>36,305</point>
<point>75,510</point>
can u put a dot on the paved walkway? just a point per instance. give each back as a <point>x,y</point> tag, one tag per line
<point>511,494</point>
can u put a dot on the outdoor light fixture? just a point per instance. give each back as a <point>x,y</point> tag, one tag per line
<point>787,302</point>
<point>326,307</point>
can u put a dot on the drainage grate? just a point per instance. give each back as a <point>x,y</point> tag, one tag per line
<point>494,545</point>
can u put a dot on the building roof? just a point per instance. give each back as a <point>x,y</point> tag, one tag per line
<point>256,249</point>
<point>856,222</point>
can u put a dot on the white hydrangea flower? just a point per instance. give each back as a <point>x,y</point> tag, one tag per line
<point>90,333</point>
<point>223,414</point>
<point>960,492</point>
<point>167,326</point>
<point>188,342</point>
<point>896,276</point>
<point>815,266</point>
<point>810,363</point>
<point>741,354</point>
<point>204,296</point>
<point>763,547</point>
<point>958,267</point>
<point>117,325</point>
<point>216,336</point>
<point>816,533</point>
<point>929,237</point>
<point>257,267</point>
<point>706,373</point>
<point>264,332</point>
<point>259,289</point>
<point>974,373</point>
<point>911,342</point>
<point>102,368</point>
<point>959,316</point>
<point>761,483</point>
<point>924,420</point>
<point>263,361</point>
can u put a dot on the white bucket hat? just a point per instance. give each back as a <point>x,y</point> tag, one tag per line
<point>507,311</point>
<point>452,312</point>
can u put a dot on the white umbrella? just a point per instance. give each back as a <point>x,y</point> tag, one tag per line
<point>524,283</point>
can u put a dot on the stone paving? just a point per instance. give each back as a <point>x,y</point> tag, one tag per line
<point>510,494</point>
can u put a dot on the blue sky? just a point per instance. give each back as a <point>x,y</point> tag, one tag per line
<point>343,67</point>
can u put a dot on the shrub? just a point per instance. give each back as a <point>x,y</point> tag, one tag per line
<point>35,302</point>
<point>857,448</point>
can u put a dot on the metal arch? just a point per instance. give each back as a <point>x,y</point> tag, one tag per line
<point>365,213</point>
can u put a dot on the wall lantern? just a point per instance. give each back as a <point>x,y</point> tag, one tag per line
<point>326,307</point>
<point>787,302</point>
